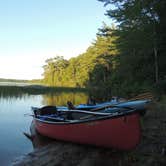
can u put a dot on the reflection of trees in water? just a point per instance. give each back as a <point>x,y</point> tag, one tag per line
<point>11,91</point>
<point>52,95</point>
<point>63,97</point>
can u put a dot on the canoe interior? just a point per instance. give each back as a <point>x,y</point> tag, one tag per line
<point>79,115</point>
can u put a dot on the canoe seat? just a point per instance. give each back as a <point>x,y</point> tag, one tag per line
<point>46,110</point>
<point>70,105</point>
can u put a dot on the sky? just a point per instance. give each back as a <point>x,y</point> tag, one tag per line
<point>32,31</point>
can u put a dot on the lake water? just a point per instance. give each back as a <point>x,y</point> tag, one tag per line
<point>13,121</point>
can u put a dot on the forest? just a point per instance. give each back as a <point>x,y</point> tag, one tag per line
<point>126,58</point>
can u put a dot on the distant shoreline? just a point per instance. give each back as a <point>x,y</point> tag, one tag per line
<point>12,80</point>
<point>8,83</point>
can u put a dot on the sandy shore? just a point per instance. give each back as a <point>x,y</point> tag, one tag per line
<point>150,152</point>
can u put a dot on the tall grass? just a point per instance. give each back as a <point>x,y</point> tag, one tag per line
<point>6,91</point>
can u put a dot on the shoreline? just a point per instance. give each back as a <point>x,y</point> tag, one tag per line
<point>151,151</point>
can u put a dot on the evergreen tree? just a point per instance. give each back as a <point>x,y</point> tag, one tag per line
<point>141,41</point>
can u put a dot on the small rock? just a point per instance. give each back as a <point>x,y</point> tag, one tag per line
<point>163,151</point>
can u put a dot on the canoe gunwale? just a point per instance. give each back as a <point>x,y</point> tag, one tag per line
<point>105,117</point>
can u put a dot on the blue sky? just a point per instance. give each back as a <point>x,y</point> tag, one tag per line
<point>32,31</point>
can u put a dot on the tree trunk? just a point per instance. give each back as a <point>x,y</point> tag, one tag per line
<point>156,65</point>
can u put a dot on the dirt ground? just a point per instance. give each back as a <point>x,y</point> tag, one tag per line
<point>150,152</point>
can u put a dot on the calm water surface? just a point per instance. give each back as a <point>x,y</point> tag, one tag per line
<point>13,121</point>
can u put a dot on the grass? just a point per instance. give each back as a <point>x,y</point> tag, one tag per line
<point>152,149</point>
<point>35,90</point>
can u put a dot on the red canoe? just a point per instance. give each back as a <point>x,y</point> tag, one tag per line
<point>119,131</point>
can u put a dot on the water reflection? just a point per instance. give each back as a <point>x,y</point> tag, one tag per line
<point>8,91</point>
<point>63,97</point>
<point>12,123</point>
<point>14,103</point>
<point>36,139</point>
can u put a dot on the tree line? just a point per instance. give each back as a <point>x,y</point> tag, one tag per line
<point>128,58</point>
